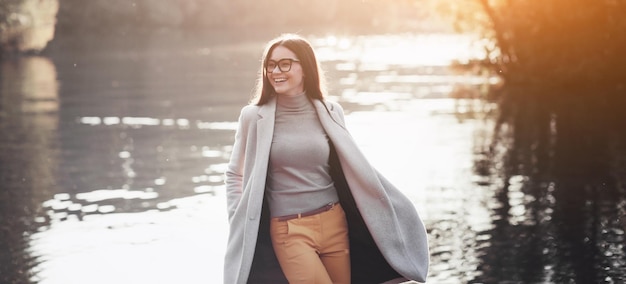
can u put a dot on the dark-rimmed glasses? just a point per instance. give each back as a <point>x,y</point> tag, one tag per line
<point>284,65</point>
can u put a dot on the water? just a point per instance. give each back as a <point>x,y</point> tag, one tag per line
<point>112,160</point>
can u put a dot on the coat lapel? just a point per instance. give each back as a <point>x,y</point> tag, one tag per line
<point>355,165</point>
<point>264,135</point>
<point>265,129</point>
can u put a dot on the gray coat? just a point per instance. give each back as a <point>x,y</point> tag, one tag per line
<point>387,237</point>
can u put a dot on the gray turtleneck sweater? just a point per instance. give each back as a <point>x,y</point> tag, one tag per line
<point>298,179</point>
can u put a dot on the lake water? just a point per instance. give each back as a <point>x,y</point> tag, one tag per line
<point>112,159</point>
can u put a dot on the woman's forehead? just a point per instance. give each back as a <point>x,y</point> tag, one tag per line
<point>281,52</point>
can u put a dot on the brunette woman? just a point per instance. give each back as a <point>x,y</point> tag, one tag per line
<point>304,204</point>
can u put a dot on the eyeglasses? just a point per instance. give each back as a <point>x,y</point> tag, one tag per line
<point>284,65</point>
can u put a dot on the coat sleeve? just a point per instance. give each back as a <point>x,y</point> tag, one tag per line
<point>234,172</point>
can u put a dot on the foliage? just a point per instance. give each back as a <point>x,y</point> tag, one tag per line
<point>565,44</point>
<point>562,62</point>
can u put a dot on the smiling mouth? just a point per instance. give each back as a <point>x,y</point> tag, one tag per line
<point>280,80</point>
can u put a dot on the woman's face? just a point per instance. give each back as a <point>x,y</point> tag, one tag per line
<point>287,83</point>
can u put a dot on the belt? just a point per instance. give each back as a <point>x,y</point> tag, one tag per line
<point>309,213</point>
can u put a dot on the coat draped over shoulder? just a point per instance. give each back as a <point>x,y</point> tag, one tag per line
<point>387,237</point>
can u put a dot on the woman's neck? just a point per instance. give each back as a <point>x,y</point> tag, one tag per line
<point>293,102</point>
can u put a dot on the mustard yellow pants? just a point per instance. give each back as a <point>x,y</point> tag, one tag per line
<point>313,249</point>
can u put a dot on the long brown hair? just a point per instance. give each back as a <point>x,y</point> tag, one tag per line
<point>314,83</point>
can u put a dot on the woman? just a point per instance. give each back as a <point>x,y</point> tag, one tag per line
<point>304,204</point>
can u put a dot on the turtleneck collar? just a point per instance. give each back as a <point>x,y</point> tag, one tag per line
<point>293,103</point>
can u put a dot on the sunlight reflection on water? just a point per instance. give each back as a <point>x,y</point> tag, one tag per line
<point>181,123</point>
<point>376,52</point>
<point>177,246</point>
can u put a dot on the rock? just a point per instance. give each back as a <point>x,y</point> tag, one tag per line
<point>26,26</point>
